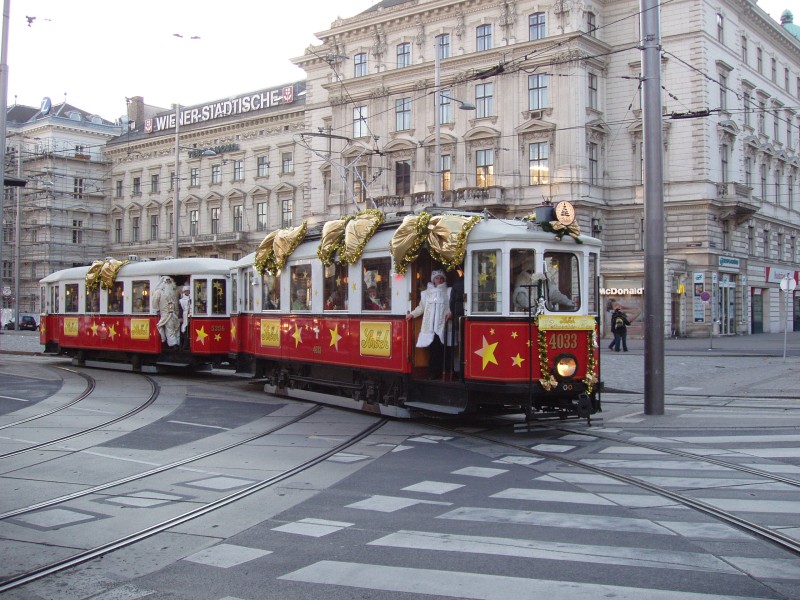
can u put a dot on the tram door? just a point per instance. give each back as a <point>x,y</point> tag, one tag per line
<point>727,306</point>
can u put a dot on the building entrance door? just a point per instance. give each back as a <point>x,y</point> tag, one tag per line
<point>796,313</point>
<point>727,305</point>
<point>757,315</point>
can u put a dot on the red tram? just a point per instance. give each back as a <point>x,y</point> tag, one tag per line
<point>523,337</point>
<point>104,312</point>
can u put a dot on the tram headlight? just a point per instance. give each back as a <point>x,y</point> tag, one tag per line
<point>565,366</point>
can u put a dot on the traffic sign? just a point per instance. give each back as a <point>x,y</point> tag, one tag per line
<point>787,284</point>
<point>705,296</point>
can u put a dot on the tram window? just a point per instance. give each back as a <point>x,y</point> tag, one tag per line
<point>270,291</point>
<point>300,287</point>
<point>71,298</point>
<point>563,282</point>
<point>234,293</point>
<point>200,296</point>
<point>335,286</point>
<point>247,290</point>
<point>141,296</point>
<point>93,300</point>
<point>486,293</point>
<point>54,300</point>
<point>377,283</point>
<point>219,297</point>
<point>116,294</point>
<point>524,279</point>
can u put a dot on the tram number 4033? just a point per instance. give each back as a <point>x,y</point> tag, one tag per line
<point>563,339</point>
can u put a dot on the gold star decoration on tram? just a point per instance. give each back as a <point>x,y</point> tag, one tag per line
<point>94,327</point>
<point>298,336</point>
<point>112,332</point>
<point>233,332</point>
<point>201,335</point>
<point>335,337</point>
<point>218,337</point>
<point>514,334</point>
<point>487,353</point>
<point>517,360</point>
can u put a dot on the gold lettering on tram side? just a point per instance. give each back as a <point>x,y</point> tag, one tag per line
<point>561,340</point>
<point>565,322</point>
<point>140,329</point>
<point>376,339</point>
<point>71,326</point>
<point>270,333</point>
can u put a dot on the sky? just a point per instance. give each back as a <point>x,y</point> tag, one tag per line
<point>98,52</point>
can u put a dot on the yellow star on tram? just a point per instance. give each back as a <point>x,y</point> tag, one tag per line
<point>517,360</point>
<point>94,328</point>
<point>487,353</point>
<point>218,338</point>
<point>233,332</point>
<point>112,332</point>
<point>201,335</point>
<point>514,334</point>
<point>335,337</point>
<point>297,335</point>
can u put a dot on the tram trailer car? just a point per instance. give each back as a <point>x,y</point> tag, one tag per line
<point>314,332</point>
<point>113,321</point>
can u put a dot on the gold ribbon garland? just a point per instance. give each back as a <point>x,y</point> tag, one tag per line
<point>573,230</point>
<point>103,273</point>
<point>348,236</point>
<point>277,247</point>
<point>446,236</point>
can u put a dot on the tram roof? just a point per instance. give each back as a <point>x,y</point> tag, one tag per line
<point>177,266</point>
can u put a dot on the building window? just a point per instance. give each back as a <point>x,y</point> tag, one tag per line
<point>778,177</point>
<point>154,187</point>
<point>194,176</point>
<point>536,26</point>
<point>237,217</point>
<point>483,38</point>
<point>287,162</point>
<point>359,189</point>
<point>537,160</point>
<point>135,230</point>
<point>762,118</point>
<point>403,55</point>
<point>537,92</point>
<point>720,28</point>
<point>117,230</point>
<point>723,91</point>
<point>790,189</point>
<point>726,234</point>
<point>118,188</point>
<point>744,50</point>
<point>767,241</point>
<point>402,177</point>
<point>215,220</point>
<point>759,60</point>
<point>262,165</point>
<point>445,107</point>
<point>360,121</point>
<point>774,71</point>
<point>287,210</point>
<point>238,170</point>
<point>170,222</point>
<point>593,164</point>
<point>484,168</point>
<point>77,231</point>
<point>216,174</point>
<point>402,113</point>
<point>153,227</point>
<point>776,126</point>
<point>194,222</point>
<point>591,23</point>
<point>786,79</point>
<point>748,171</point>
<point>763,172</point>
<point>593,97</point>
<point>445,167</point>
<point>443,45</point>
<point>746,106</point>
<point>261,216</point>
<point>77,188</point>
<point>484,100</point>
<point>360,64</point>
<point>725,152</point>
<point>751,240</point>
<point>137,186</point>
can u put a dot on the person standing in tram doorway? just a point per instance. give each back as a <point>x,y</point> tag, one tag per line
<point>434,307</point>
<point>186,310</point>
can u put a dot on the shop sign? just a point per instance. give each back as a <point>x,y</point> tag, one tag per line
<point>728,262</point>
<point>776,274</point>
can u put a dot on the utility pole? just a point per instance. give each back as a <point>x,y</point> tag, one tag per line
<point>3,113</point>
<point>653,209</point>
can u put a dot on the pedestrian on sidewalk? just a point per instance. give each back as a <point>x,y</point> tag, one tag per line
<point>619,326</point>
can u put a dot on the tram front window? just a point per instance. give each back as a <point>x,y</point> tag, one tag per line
<point>562,282</point>
<point>486,281</point>
<point>219,297</point>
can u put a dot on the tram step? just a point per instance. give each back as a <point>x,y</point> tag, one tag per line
<point>439,408</point>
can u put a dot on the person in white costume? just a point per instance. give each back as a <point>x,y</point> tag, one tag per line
<point>165,301</point>
<point>522,298</point>
<point>434,307</point>
<point>186,310</point>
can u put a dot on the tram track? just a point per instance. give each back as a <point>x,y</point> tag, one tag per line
<point>154,529</point>
<point>780,540</point>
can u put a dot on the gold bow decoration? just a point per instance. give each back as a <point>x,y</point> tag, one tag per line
<point>93,275</point>
<point>348,236</point>
<point>573,230</point>
<point>445,235</point>
<point>277,247</point>
<point>109,270</point>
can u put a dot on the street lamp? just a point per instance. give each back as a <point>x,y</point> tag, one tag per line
<point>177,203</point>
<point>437,96</point>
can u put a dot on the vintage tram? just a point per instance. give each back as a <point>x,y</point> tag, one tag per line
<point>105,312</point>
<point>323,315</point>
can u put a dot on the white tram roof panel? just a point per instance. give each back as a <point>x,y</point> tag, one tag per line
<point>177,266</point>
